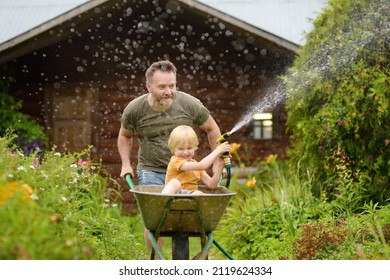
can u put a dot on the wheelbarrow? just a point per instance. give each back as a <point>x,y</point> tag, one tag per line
<point>181,216</point>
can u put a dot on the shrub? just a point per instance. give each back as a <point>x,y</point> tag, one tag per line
<point>318,240</point>
<point>338,105</point>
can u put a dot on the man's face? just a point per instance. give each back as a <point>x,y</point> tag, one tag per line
<point>162,89</point>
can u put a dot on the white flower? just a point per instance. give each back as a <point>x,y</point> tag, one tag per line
<point>73,165</point>
<point>57,154</point>
<point>63,198</point>
<point>22,168</point>
<point>34,196</point>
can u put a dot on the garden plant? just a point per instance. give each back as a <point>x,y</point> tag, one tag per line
<point>328,201</point>
<point>58,206</point>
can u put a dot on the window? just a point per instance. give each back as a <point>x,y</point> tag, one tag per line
<point>262,126</point>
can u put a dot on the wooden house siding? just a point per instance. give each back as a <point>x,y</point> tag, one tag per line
<point>104,53</point>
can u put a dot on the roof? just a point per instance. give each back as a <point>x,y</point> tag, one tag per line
<point>19,16</point>
<point>288,19</point>
<point>279,21</point>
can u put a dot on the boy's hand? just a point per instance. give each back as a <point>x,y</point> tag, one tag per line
<point>224,147</point>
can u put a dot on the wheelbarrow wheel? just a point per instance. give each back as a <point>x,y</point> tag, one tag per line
<point>180,246</point>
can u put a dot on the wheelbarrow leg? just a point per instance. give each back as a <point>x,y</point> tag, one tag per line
<point>203,254</point>
<point>180,246</point>
<point>155,247</point>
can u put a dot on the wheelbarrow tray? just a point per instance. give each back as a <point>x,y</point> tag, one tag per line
<point>193,214</point>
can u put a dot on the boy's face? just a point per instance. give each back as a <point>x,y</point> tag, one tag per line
<point>162,89</point>
<point>185,151</point>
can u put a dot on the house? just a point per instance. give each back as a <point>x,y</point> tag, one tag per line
<point>76,72</point>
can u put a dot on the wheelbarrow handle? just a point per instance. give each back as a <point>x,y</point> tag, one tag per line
<point>129,180</point>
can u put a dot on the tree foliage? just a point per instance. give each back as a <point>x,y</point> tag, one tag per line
<point>338,105</point>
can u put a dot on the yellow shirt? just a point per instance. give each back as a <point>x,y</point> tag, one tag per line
<point>188,179</point>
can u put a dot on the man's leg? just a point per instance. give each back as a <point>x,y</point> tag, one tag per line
<point>147,177</point>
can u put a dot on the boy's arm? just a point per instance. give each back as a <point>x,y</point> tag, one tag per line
<point>206,161</point>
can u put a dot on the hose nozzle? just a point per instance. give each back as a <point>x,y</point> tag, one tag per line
<point>226,157</point>
<point>223,137</point>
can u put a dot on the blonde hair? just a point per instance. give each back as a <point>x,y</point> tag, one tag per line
<point>182,134</point>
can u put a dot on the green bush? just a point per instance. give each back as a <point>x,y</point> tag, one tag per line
<point>30,134</point>
<point>60,208</point>
<point>338,105</point>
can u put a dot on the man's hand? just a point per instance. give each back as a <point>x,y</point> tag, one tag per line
<point>216,166</point>
<point>126,170</point>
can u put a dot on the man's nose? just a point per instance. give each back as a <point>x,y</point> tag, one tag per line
<point>168,91</point>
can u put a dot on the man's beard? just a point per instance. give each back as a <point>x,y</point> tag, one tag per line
<point>165,102</point>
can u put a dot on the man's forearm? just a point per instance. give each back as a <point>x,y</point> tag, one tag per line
<point>125,145</point>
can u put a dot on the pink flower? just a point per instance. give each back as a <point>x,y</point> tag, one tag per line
<point>36,162</point>
<point>83,162</point>
<point>341,122</point>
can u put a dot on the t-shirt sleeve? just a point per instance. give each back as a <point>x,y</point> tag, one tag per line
<point>130,113</point>
<point>199,112</point>
<point>178,162</point>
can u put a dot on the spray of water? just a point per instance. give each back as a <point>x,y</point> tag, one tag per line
<point>267,102</point>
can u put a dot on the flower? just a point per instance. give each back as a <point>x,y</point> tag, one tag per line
<point>271,158</point>
<point>251,182</point>
<point>21,168</point>
<point>84,162</point>
<point>10,189</point>
<point>341,122</point>
<point>35,164</point>
<point>234,147</point>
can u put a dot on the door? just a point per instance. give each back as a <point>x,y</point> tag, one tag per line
<point>70,118</point>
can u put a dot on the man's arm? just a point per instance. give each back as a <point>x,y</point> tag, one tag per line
<point>213,132</point>
<point>125,145</point>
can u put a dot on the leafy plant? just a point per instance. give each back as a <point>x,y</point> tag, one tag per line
<point>317,240</point>
<point>338,105</point>
<point>60,208</point>
<point>279,218</point>
<point>262,220</point>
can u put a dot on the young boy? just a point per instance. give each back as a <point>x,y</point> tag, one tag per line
<point>183,172</point>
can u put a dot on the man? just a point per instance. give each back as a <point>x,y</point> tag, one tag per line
<point>152,117</point>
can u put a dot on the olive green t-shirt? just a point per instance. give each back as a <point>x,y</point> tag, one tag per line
<point>153,127</point>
